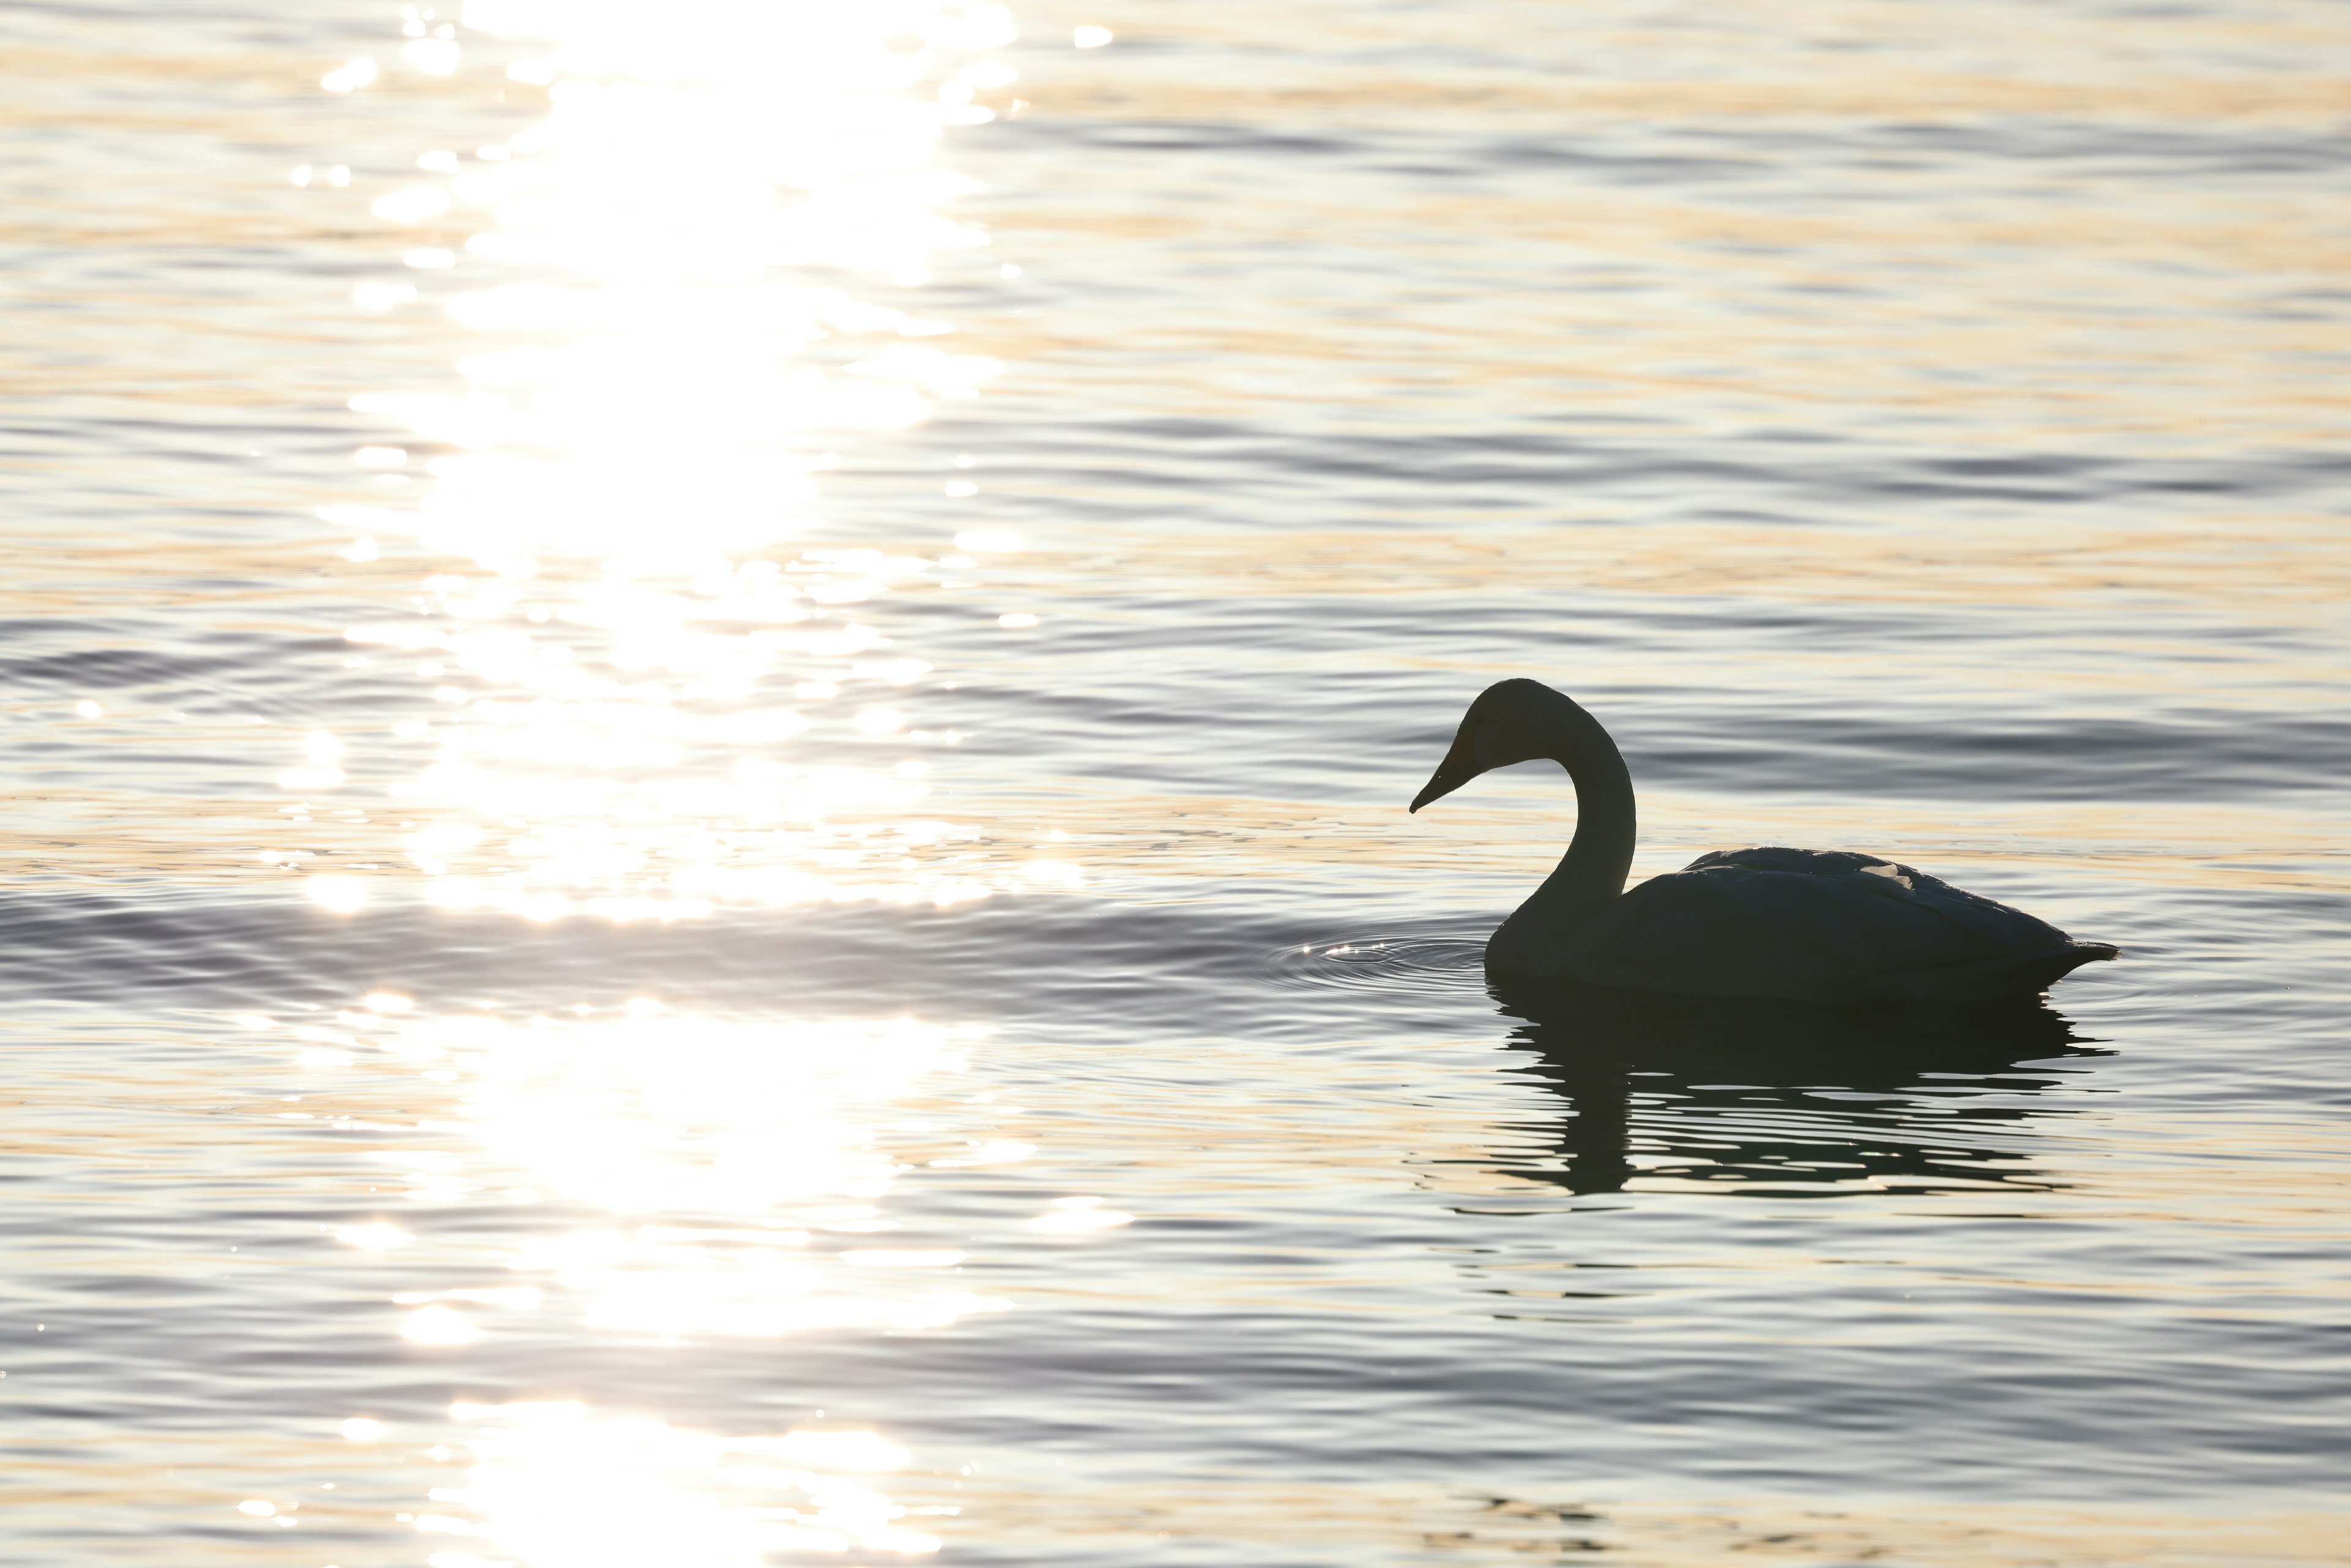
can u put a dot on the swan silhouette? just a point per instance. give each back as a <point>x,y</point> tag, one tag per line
<point>1814,926</point>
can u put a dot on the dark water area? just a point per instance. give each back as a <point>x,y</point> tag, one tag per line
<point>709,716</point>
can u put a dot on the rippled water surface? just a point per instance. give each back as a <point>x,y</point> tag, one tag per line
<point>710,708</point>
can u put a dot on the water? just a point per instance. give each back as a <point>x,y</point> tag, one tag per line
<point>586,986</point>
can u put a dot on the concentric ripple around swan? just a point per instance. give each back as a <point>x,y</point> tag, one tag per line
<point>1419,964</point>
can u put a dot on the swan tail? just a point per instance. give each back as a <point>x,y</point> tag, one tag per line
<point>2009,975</point>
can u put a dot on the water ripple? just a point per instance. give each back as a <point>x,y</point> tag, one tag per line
<point>1428,965</point>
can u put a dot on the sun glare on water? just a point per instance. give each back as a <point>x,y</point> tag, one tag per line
<point>736,1169</point>
<point>688,285</point>
<point>649,681</point>
<point>690,1179</point>
<point>553,1483</point>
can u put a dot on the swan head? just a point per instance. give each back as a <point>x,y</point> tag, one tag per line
<point>1510,722</point>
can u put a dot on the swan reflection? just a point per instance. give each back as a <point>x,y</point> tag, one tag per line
<point>1786,1099</point>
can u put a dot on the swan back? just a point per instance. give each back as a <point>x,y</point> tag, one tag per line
<point>1818,925</point>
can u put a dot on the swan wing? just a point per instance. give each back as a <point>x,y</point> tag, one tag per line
<point>1817,925</point>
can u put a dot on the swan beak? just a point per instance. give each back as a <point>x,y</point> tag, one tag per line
<point>1451,774</point>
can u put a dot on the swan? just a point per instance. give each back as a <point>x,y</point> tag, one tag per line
<point>1814,926</point>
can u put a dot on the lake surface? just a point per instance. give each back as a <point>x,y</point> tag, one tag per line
<point>710,708</point>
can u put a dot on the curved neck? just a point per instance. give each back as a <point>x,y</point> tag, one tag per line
<point>1592,875</point>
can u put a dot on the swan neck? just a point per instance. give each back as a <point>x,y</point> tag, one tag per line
<point>1591,876</point>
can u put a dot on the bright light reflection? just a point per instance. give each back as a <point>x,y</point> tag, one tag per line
<point>655,397</point>
<point>553,1484</point>
<point>1078,1215</point>
<point>720,1152</point>
<point>667,275</point>
<point>639,695</point>
<point>373,1237</point>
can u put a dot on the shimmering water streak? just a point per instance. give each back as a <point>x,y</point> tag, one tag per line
<point>716,1153</point>
<point>672,297</point>
<point>551,1483</point>
<point>735,1180</point>
<point>649,711</point>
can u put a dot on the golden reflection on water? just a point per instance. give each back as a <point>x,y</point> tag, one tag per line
<point>553,1483</point>
<point>739,1174</point>
<point>1387,1518</point>
<point>668,288</point>
<point>646,702</point>
<point>736,1167</point>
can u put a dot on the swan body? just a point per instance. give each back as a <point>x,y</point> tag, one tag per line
<point>1814,926</point>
